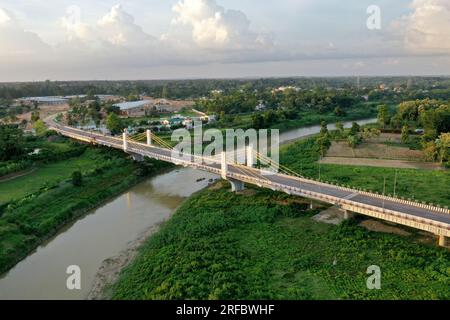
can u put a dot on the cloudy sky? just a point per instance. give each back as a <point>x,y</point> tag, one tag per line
<point>154,39</point>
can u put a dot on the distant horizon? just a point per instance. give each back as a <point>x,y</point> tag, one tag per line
<point>235,78</point>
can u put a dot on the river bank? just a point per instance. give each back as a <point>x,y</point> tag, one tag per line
<point>260,244</point>
<point>31,221</point>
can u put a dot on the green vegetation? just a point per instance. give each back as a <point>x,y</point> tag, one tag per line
<point>77,178</point>
<point>11,142</point>
<point>431,116</point>
<point>264,245</point>
<point>34,206</point>
<point>114,123</point>
<point>423,185</point>
<point>283,120</point>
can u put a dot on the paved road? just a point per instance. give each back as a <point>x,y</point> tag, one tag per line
<point>252,173</point>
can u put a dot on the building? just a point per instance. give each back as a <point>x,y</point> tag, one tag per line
<point>56,100</point>
<point>135,108</point>
<point>261,106</point>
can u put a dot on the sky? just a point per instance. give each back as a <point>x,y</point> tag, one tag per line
<point>175,39</point>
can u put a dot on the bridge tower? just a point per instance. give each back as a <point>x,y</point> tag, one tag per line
<point>250,158</point>
<point>149,137</point>
<point>125,141</point>
<point>443,241</point>
<point>224,165</point>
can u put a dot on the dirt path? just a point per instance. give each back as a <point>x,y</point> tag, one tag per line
<point>402,164</point>
<point>16,175</point>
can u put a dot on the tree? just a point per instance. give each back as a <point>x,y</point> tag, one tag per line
<point>430,151</point>
<point>323,128</point>
<point>165,92</point>
<point>77,178</point>
<point>114,123</point>
<point>324,142</point>
<point>339,112</point>
<point>257,121</point>
<point>35,116</point>
<point>382,115</point>
<point>355,129</point>
<point>40,128</point>
<point>353,141</point>
<point>340,128</point>
<point>405,134</point>
<point>443,147</point>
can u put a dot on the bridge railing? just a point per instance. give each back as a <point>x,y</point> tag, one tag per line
<point>83,133</point>
<point>428,224</point>
<point>372,194</point>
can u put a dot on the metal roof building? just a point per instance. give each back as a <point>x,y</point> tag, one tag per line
<point>45,100</point>
<point>133,104</point>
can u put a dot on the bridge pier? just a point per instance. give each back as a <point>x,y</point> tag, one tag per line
<point>149,137</point>
<point>137,157</point>
<point>348,215</point>
<point>236,185</point>
<point>443,241</point>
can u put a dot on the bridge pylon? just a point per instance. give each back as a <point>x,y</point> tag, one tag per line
<point>125,141</point>
<point>149,137</point>
<point>250,158</point>
<point>224,165</point>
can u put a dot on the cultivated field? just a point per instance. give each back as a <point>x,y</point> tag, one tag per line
<point>381,163</point>
<point>381,151</point>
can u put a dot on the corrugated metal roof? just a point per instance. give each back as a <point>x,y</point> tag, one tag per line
<point>132,104</point>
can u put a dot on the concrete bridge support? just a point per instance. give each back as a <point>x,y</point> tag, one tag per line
<point>137,157</point>
<point>348,215</point>
<point>125,141</point>
<point>149,137</point>
<point>443,241</point>
<point>236,185</point>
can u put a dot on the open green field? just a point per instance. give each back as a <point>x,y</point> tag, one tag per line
<point>423,185</point>
<point>264,245</point>
<point>37,205</point>
<point>45,174</point>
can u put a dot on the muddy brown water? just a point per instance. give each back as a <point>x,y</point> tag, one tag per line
<point>101,234</point>
<point>107,231</point>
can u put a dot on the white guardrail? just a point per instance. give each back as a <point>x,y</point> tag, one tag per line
<point>180,161</point>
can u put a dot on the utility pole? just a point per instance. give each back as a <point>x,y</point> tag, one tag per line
<point>320,159</point>
<point>384,190</point>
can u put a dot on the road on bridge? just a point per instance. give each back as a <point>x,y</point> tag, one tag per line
<point>432,219</point>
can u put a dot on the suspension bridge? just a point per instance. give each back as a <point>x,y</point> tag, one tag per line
<point>422,216</point>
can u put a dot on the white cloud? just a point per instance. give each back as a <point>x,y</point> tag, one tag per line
<point>427,28</point>
<point>117,27</point>
<point>15,41</point>
<point>214,27</point>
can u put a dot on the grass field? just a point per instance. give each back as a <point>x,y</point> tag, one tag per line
<point>369,149</point>
<point>264,245</point>
<point>45,174</point>
<point>29,220</point>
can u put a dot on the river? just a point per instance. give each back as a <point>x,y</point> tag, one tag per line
<point>107,231</point>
